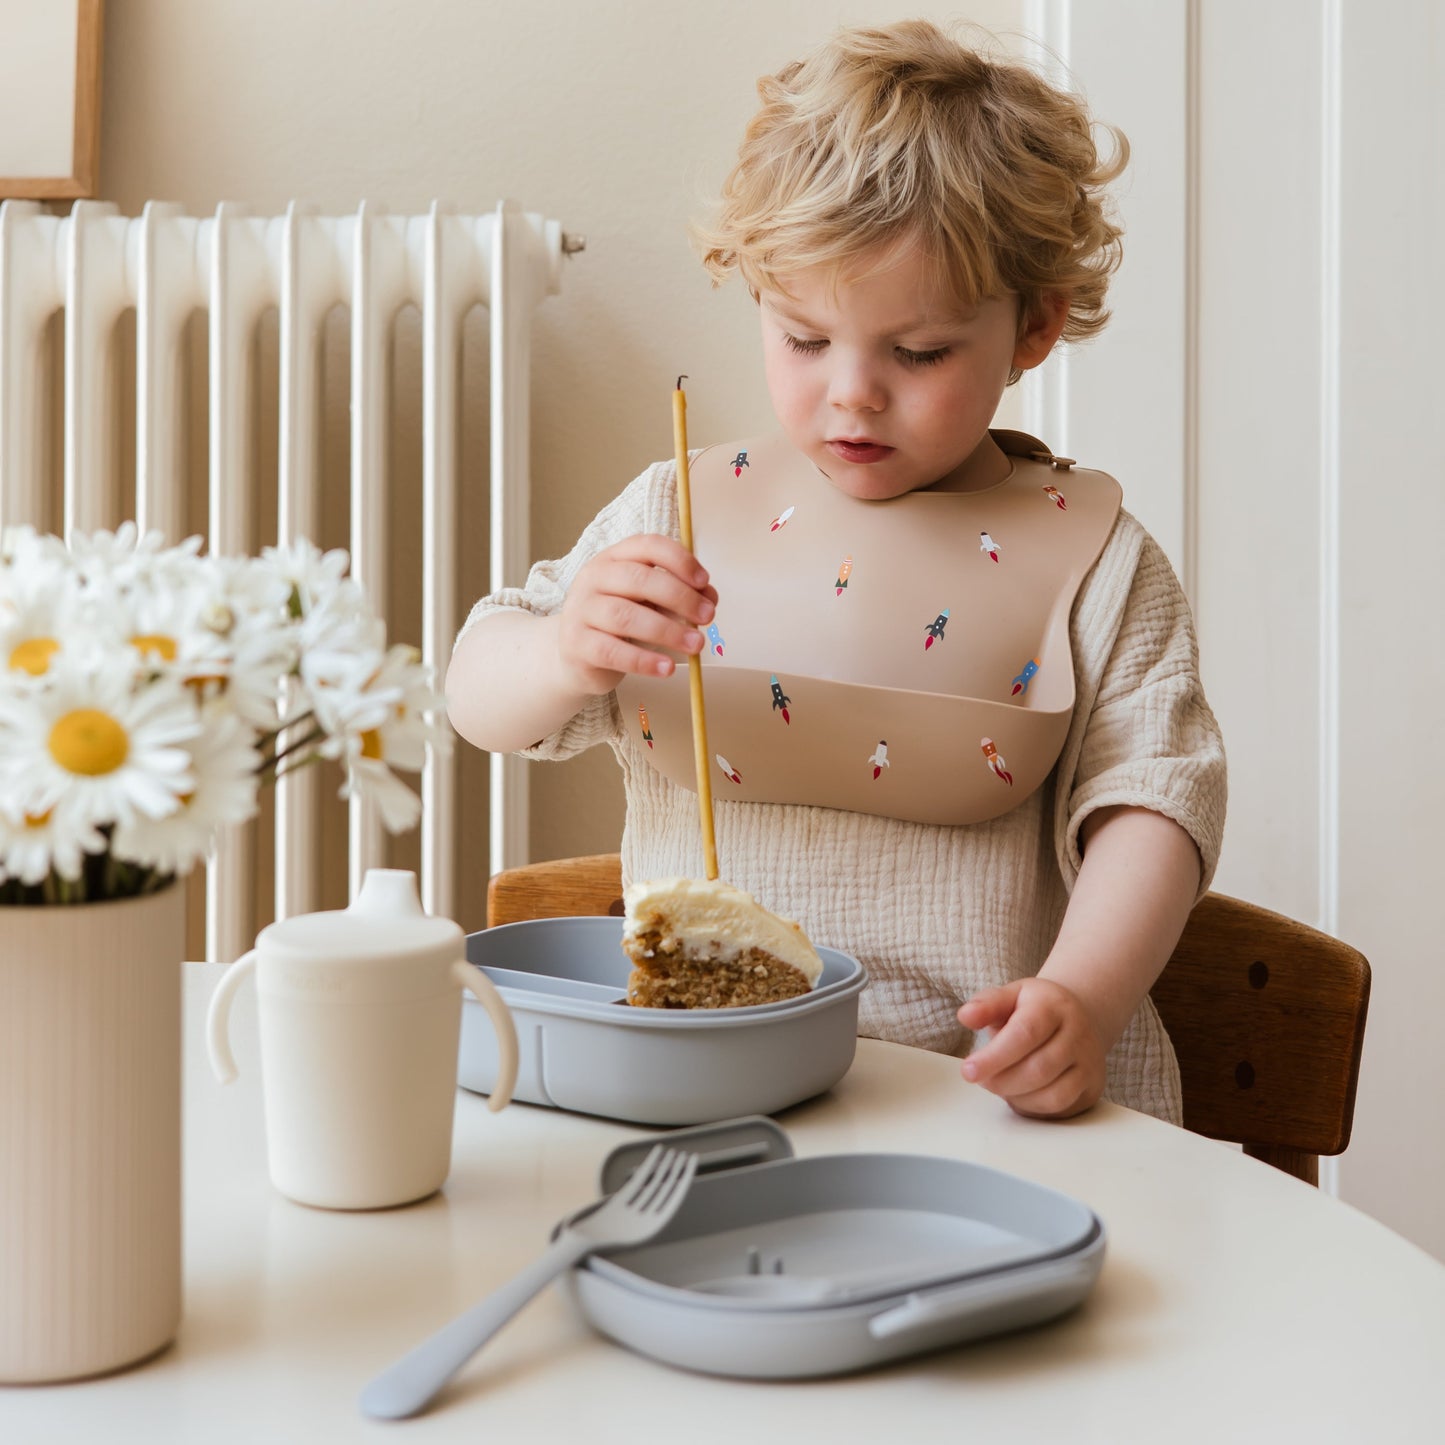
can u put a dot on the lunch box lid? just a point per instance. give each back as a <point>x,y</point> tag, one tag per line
<point>763,1230</point>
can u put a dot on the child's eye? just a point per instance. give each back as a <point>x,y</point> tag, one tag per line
<point>922,358</point>
<point>808,348</point>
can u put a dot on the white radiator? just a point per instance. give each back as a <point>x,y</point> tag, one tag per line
<point>95,264</point>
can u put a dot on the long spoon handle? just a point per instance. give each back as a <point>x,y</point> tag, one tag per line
<point>409,1385</point>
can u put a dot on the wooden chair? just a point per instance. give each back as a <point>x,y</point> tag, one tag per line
<point>1267,1015</point>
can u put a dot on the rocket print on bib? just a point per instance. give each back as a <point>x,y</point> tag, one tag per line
<point>780,699</point>
<point>987,544</point>
<point>845,571</point>
<point>935,629</point>
<point>716,638</point>
<point>1056,497</point>
<point>996,764</point>
<point>728,768</point>
<point>781,520</point>
<point>738,463</point>
<point>642,718</point>
<point>880,759</point>
<point>1021,682</point>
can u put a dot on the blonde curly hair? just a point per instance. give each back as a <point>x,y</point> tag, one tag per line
<point>890,134</point>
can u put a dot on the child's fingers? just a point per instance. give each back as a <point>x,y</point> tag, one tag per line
<point>990,1007</point>
<point>1016,1040</point>
<point>1031,1074</point>
<point>634,580</point>
<point>622,636</point>
<point>1062,1096</point>
<point>654,550</point>
<point>606,653</point>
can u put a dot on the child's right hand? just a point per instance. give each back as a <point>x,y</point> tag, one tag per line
<point>642,594</point>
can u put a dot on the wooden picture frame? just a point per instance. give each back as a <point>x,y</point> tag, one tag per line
<point>50,98</point>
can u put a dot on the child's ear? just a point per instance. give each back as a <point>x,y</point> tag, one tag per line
<point>1041,330</point>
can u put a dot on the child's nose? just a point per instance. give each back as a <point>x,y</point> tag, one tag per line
<point>855,386</point>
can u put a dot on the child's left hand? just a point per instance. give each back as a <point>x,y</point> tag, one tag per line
<point>1046,1059</point>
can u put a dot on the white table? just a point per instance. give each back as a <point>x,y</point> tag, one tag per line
<point>1235,1303</point>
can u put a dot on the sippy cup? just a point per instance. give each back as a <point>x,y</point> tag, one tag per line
<point>360,1014</point>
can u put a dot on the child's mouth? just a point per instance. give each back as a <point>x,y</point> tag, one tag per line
<point>861,452</point>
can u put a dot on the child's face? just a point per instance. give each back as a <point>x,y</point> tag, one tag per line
<point>880,380</point>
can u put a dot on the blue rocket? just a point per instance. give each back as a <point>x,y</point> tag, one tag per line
<point>1021,682</point>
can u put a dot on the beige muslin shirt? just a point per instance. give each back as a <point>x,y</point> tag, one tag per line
<point>937,913</point>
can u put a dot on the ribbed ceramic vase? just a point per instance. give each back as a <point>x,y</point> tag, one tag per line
<point>90,1135</point>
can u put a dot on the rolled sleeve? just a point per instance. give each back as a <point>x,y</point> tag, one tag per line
<point>1147,738</point>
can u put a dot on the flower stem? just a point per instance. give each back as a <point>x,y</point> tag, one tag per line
<point>270,765</point>
<point>297,766</point>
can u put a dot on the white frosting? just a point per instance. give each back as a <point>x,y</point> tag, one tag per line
<point>716,919</point>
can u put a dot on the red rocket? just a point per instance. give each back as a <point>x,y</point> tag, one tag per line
<point>1057,498</point>
<point>781,520</point>
<point>987,544</point>
<point>728,768</point>
<point>880,759</point>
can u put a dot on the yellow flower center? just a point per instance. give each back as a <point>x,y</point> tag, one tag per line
<point>33,655</point>
<point>371,744</point>
<point>155,644</point>
<point>89,742</point>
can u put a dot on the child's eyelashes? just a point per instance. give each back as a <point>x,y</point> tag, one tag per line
<point>922,358</point>
<point>808,348</point>
<point>903,353</point>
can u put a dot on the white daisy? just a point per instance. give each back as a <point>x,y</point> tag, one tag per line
<point>377,716</point>
<point>378,708</point>
<point>369,778</point>
<point>90,739</point>
<point>119,559</point>
<point>39,615</point>
<point>23,548</point>
<point>39,606</point>
<point>310,575</point>
<point>224,763</point>
<point>34,844</point>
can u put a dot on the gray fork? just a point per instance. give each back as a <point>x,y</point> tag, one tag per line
<point>633,1214</point>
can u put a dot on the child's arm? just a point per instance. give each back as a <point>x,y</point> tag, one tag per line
<point>516,677</point>
<point>1139,879</point>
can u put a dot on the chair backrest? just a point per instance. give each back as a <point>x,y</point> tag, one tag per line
<point>1267,1015</point>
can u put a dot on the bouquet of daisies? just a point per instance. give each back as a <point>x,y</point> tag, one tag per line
<point>148,692</point>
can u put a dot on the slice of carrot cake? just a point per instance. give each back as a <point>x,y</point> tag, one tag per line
<point>697,943</point>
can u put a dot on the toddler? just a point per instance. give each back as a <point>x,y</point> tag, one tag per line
<point>952,686</point>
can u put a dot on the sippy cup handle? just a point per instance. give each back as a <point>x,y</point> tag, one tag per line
<point>218,1017</point>
<point>471,977</point>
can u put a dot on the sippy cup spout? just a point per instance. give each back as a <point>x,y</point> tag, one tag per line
<point>388,893</point>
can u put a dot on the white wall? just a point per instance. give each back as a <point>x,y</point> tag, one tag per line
<point>1289,199</point>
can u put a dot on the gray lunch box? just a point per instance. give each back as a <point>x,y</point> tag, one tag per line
<point>783,1268</point>
<point>584,1049</point>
